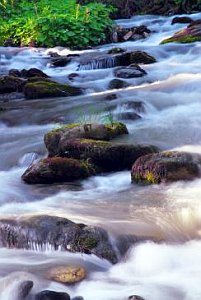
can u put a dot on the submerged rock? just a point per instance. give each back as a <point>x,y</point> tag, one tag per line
<point>51,295</point>
<point>130,72</point>
<point>105,155</point>
<point>67,275</point>
<point>190,34</point>
<point>57,169</point>
<point>57,233</point>
<point>47,89</point>
<point>130,115</point>
<point>55,140</point>
<point>117,84</point>
<point>165,167</point>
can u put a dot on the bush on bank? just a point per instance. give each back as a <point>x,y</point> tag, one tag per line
<point>49,23</point>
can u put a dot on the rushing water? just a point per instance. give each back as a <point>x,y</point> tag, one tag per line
<point>172,213</point>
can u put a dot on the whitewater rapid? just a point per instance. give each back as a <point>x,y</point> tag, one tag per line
<point>169,213</point>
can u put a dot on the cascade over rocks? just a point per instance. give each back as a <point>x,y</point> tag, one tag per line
<point>116,59</point>
<point>58,233</point>
<point>166,166</point>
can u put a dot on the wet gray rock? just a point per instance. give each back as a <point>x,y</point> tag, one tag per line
<point>58,233</point>
<point>130,72</point>
<point>60,61</point>
<point>51,295</point>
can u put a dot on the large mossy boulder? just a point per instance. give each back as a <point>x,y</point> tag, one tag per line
<point>9,84</point>
<point>58,233</point>
<point>165,167</point>
<point>47,89</point>
<point>106,156</point>
<point>57,169</point>
<point>55,140</point>
<point>192,33</point>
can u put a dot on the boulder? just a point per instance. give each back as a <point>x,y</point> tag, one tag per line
<point>60,61</point>
<point>9,84</point>
<point>67,275</point>
<point>181,20</point>
<point>106,156</point>
<point>130,72</point>
<point>55,140</point>
<point>51,295</point>
<point>58,233</point>
<point>117,84</point>
<point>165,167</point>
<point>47,89</point>
<point>122,34</point>
<point>33,72</point>
<point>78,298</point>
<point>190,34</point>
<point>57,169</point>
<point>141,57</point>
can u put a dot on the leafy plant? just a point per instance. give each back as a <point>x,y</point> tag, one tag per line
<point>48,23</point>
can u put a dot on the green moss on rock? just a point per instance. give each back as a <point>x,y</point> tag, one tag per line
<point>47,89</point>
<point>182,39</point>
<point>165,167</point>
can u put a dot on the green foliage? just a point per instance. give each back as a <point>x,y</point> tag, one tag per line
<point>53,22</point>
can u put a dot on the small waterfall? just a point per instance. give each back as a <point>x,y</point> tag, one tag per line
<point>102,63</point>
